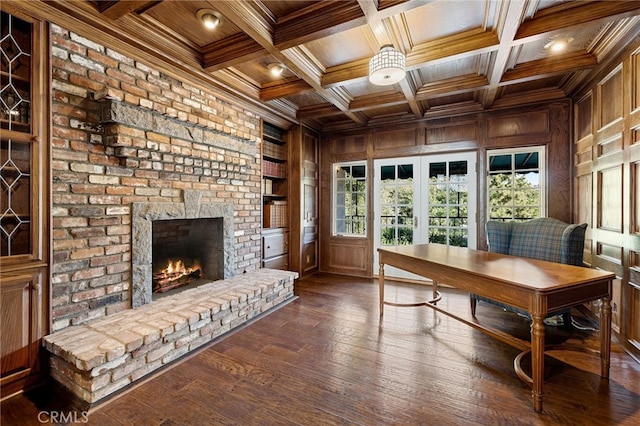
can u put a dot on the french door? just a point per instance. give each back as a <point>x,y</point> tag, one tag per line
<point>428,199</point>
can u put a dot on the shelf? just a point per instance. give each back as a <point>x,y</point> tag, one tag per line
<point>275,217</point>
<point>273,139</point>
<point>274,177</point>
<point>272,133</point>
<point>274,159</point>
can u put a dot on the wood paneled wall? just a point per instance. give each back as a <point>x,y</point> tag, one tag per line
<point>541,124</point>
<point>607,180</point>
<point>304,208</point>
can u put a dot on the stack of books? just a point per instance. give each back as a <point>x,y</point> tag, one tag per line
<point>273,150</point>
<point>275,214</point>
<point>271,168</point>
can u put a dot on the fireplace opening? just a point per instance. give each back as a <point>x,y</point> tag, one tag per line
<point>186,253</point>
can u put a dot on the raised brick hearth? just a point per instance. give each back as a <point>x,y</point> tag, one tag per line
<point>95,359</point>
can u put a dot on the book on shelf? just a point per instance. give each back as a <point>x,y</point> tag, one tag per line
<point>267,186</point>
<point>276,214</point>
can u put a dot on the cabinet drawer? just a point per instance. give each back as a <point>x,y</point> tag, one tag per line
<point>279,262</point>
<point>275,245</point>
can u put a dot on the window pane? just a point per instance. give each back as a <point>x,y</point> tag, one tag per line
<point>437,170</point>
<point>387,173</point>
<point>405,171</point>
<point>350,199</point>
<point>499,162</point>
<point>515,184</point>
<point>358,172</point>
<point>458,168</point>
<point>528,160</point>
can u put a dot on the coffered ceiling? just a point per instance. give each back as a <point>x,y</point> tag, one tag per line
<point>461,55</point>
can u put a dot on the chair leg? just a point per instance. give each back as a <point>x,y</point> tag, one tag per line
<point>473,302</point>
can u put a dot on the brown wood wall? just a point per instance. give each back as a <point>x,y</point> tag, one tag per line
<point>542,124</point>
<point>304,209</point>
<point>607,180</point>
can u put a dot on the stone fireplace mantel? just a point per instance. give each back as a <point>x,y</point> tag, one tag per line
<point>142,216</point>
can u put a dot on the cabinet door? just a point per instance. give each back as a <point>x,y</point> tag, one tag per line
<point>21,325</point>
<point>24,189</point>
<point>275,244</point>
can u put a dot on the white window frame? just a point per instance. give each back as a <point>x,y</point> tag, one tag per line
<point>334,210</point>
<point>542,167</point>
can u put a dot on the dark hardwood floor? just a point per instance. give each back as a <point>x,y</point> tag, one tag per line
<point>326,358</point>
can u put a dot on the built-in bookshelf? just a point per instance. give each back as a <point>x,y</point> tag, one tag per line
<point>275,194</point>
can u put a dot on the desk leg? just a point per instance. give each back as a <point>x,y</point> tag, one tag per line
<point>435,291</point>
<point>381,285</point>
<point>605,337</point>
<point>537,360</point>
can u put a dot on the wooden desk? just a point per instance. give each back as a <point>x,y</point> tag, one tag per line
<point>536,286</point>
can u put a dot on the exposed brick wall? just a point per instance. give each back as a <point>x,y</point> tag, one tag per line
<point>99,169</point>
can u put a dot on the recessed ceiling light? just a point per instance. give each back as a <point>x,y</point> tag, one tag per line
<point>558,44</point>
<point>210,19</point>
<point>276,70</point>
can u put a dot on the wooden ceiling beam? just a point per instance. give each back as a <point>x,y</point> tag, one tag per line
<point>359,104</point>
<point>446,49</point>
<point>380,100</point>
<point>389,8</point>
<point>246,17</point>
<point>318,110</point>
<point>319,20</point>
<point>249,20</point>
<point>542,68</point>
<point>230,51</point>
<point>279,89</point>
<point>452,86</point>
<point>513,16</point>
<point>117,9</point>
<point>450,48</point>
<point>567,15</point>
<point>539,95</point>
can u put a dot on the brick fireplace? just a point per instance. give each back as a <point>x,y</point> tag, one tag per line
<point>130,144</point>
<point>144,215</point>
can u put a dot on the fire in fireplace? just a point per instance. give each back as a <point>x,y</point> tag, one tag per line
<point>175,275</point>
<point>185,250</point>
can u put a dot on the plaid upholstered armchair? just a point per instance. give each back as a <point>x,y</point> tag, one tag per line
<point>544,239</point>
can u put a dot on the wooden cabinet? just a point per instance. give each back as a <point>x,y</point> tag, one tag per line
<point>275,248</point>
<point>24,188</point>
<point>275,198</point>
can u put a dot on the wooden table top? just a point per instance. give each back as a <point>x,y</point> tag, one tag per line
<point>535,275</point>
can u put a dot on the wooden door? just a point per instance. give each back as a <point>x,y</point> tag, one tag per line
<point>304,181</point>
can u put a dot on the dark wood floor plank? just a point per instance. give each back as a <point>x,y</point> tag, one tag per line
<point>327,358</point>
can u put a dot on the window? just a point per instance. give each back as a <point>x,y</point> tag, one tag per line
<point>516,184</point>
<point>350,199</point>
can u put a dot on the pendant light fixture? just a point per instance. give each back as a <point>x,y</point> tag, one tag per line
<point>387,67</point>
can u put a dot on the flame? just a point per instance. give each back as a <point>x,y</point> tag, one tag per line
<point>175,270</point>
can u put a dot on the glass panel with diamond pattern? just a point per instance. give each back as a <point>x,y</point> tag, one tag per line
<point>16,185</point>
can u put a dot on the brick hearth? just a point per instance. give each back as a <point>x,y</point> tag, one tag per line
<point>95,359</point>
